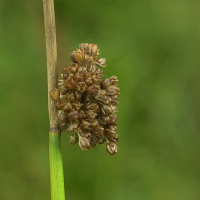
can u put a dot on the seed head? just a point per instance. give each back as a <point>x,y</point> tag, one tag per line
<point>88,103</point>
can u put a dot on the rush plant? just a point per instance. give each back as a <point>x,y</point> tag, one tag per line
<point>84,104</point>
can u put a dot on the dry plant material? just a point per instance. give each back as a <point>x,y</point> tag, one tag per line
<point>87,103</point>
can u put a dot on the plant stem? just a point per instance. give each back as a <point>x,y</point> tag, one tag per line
<point>55,157</point>
<point>51,53</point>
<point>56,166</point>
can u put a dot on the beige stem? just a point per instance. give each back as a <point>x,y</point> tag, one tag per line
<point>51,53</point>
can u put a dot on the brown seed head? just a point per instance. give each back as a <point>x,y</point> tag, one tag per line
<point>88,103</point>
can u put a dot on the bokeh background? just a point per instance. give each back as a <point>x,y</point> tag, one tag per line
<point>153,46</point>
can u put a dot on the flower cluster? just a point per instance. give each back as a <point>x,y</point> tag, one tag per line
<point>88,103</point>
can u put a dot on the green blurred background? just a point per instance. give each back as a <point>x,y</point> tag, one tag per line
<point>153,47</point>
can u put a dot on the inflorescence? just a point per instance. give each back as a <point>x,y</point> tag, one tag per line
<point>88,103</point>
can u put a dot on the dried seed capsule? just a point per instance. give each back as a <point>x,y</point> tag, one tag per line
<point>105,109</point>
<point>64,70</point>
<point>73,127</point>
<point>113,138</point>
<point>85,124</point>
<point>79,77</point>
<point>69,97</point>
<point>81,115</point>
<point>113,80</point>
<point>91,69</point>
<point>68,107</point>
<point>90,114</point>
<point>100,139</point>
<point>111,148</point>
<point>87,97</point>
<point>114,108</point>
<point>114,100</point>
<point>63,118</point>
<point>70,82</point>
<point>101,96</point>
<point>101,62</point>
<point>98,130</point>
<point>90,49</point>
<point>65,75</point>
<point>81,86</point>
<point>104,119</point>
<point>93,89</point>
<point>60,104</point>
<point>116,138</point>
<point>76,106</point>
<point>86,134</point>
<point>84,143</point>
<point>89,81</point>
<point>63,90</point>
<point>77,95</point>
<point>94,50</point>
<point>95,78</point>
<point>112,90</point>
<point>73,115</point>
<point>97,71</point>
<point>110,131</point>
<point>105,83</point>
<point>73,57</point>
<point>113,119</point>
<point>82,70</point>
<point>54,94</point>
<point>93,106</point>
<point>73,68</point>
<point>77,56</point>
<point>84,46</point>
<point>94,123</point>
